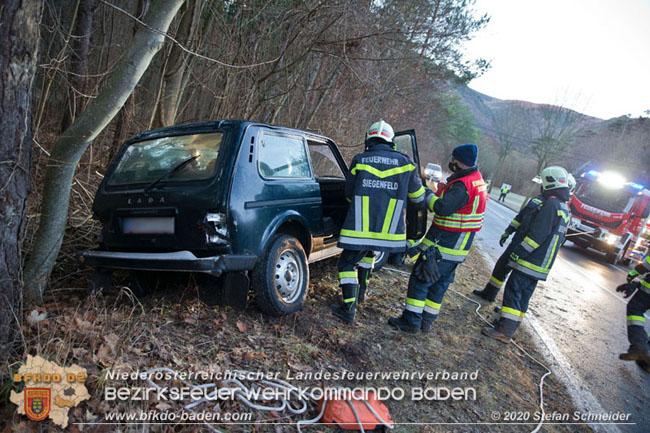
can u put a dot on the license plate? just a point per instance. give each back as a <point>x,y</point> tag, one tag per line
<point>149,225</point>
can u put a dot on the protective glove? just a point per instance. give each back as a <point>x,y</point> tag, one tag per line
<point>514,257</point>
<point>633,273</point>
<point>426,267</point>
<point>504,238</point>
<point>627,288</point>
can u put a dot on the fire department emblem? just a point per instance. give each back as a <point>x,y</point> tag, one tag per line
<point>37,403</point>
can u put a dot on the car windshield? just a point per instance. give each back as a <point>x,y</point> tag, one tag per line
<point>149,160</point>
<point>608,199</point>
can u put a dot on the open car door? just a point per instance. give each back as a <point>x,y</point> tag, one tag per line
<point>416,214</point>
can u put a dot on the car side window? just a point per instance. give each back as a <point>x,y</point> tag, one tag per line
<point>324,161</point>
<point>283,156</point>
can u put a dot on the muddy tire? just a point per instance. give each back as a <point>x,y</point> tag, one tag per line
<point>281,278</point>
<point>143,282</point>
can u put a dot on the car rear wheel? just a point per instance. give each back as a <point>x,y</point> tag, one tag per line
<point>381,257</point>
<point>280,280</point>
<point>143,282</point>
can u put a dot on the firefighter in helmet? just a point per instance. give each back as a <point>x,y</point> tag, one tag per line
<point>520,223</point>
<point>459,207</point>
<point>533,251</point>
<point>637,280</point>
<point>381,181</point>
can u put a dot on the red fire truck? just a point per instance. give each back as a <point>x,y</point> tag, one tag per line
<point>611,215</point>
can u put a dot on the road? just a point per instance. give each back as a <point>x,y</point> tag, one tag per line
<point>580,321</point>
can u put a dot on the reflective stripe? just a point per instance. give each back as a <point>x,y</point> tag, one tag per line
<point>357,213</point>
<point>645,286</point>
<point>452,255</point>
<point>348,300</point>
<point>374,235</point>
<point>475,205</point>
<point>432,201</point>
<point>389,215</point>
<point>367,262</point>
<point>512,314</point>
<point>417,194</point>
<point>366,213</point>
<point>414,305</point>
<point>431,307</point>
<point>635,321</point>
<point>496,282</point>
<point>531,242</point>
<point>398,216</point>
<point>382,173</point>
<point>564,216</point>
<point>527,247</point>
<point>348,277</point>
<point>550,253</point>
<point>372,242</point>
<point>515,223</point>
<point>529,269</point>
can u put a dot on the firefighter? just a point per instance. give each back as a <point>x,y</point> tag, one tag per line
<point>504,193</point>
<point>636,308</point>
<point>520,223</point>
<point>381,181</point>
<point>459,207</point>
<point>533,253</point>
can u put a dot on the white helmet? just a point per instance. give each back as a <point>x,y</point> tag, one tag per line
<point>381,130</point>
<point>554,177</point>
<point>572,183</point>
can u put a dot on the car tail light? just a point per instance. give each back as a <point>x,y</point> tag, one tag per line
<point>216,229</point>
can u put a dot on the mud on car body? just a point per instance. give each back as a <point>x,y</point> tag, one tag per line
<point>233,201</point>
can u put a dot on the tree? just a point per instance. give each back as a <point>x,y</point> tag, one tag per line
<point>71,145</point>
<point>19,37</point>
<point>555,129</point>
<point>507,125</point>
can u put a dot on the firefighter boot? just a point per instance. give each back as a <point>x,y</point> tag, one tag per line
<point>402,324</point>
<point>636,352</point>
<point>489,293</point>
<point>346,310</point>
<point>644,365</point>
<point>503,331</point>
<point>427,321</point>
<point>364,279</point>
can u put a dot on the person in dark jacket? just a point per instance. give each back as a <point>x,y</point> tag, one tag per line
<point>381,181</point>
<point>459,207</point>
<point>639,349</point>
<point>534,252</point>
<point>520,223</point>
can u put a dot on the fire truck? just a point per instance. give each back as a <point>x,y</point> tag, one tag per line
<point>610,215</point>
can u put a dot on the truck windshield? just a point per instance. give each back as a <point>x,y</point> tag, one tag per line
<point>146,161</point>
<point>608,199</point>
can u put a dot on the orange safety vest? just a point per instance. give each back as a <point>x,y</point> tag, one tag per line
<point>469,218</point>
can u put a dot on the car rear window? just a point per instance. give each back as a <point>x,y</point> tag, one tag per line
<point>146,161</point>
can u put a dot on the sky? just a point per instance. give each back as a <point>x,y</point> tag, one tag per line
<point>589,55</point>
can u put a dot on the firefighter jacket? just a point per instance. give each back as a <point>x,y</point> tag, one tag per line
<point>644,268</point>
<point>458,208</point>
<point>525,216</point>
<point>536,247</point>
<point>381,180</point>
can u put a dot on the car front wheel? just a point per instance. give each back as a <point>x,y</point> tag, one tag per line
<point>280,280</point>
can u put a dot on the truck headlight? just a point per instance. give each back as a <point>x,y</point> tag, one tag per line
<point>610,238</point>
<point>216,229</point>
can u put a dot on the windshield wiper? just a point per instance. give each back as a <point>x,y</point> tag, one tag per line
<point>170,172</point>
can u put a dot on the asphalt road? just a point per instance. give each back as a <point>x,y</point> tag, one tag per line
<point>580,321</point>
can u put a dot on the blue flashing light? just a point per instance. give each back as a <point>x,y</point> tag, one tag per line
<point>636,186</point>
<point>593,173</point>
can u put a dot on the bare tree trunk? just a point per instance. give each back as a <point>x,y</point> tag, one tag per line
<point>19,38</point>
<point>71,145</point>
<point>176,65</point>
<point>79,64</point>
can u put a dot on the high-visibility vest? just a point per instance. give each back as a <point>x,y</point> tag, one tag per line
<point>469,218</point>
